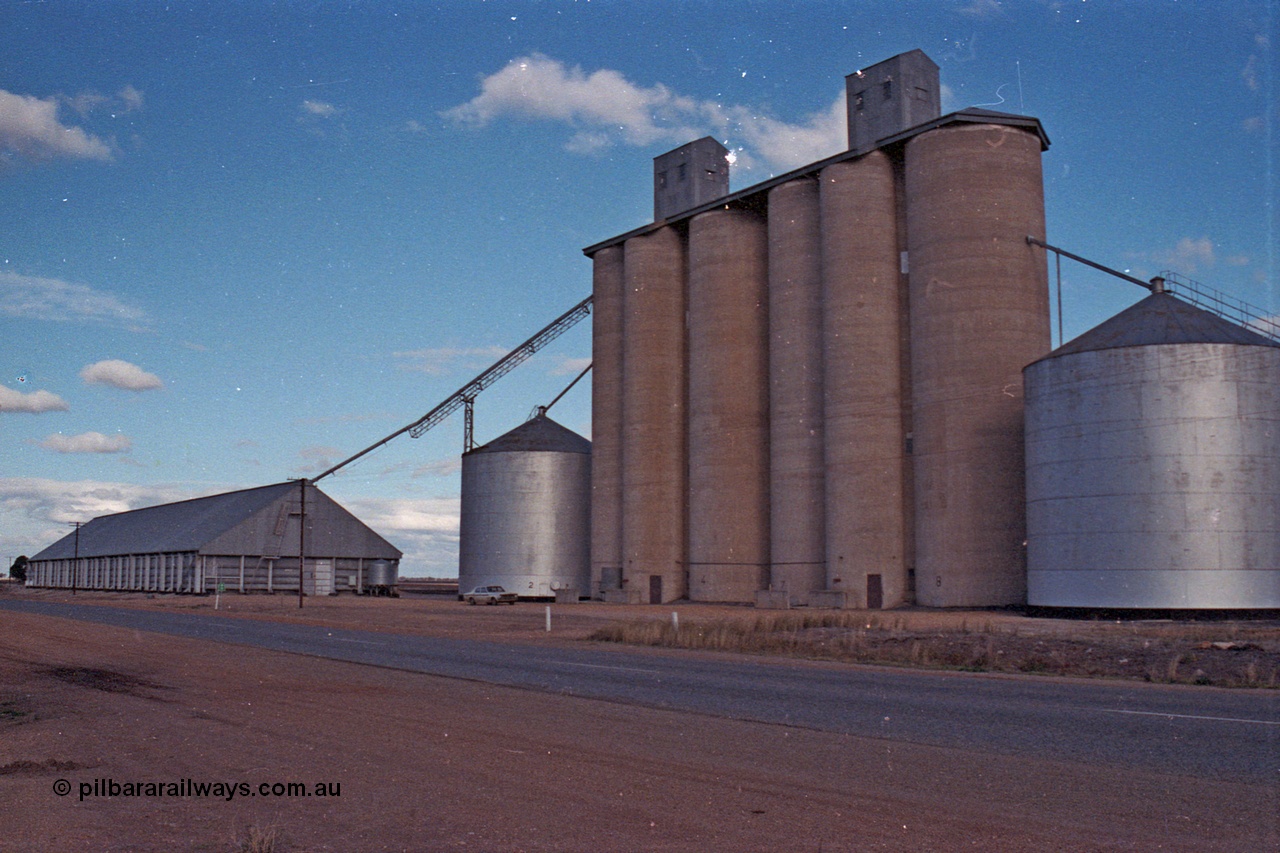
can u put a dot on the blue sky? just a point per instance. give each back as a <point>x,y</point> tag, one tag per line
<point>241,241</point>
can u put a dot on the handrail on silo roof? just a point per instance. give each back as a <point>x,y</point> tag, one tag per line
<point>1224,305</point>
<point>1202,296</point>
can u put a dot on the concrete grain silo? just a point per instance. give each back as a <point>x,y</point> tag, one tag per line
<point>526,509</point>
<point>728,424</point>
<point>819,386</point>
<point>654,443</point>
<point>863,430</point>
<point>1153,464</point>
<point>979,314</point>
<point>796,476</point>
<point>606,418</point>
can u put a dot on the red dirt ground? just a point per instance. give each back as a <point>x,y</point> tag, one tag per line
<point>428,763</point>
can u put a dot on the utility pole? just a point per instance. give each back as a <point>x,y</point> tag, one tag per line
<point>75,563</point>
<point>302,538</point>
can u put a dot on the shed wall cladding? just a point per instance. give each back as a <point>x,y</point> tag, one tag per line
<point>245,541</point>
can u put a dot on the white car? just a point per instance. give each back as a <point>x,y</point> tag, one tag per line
<point>490,595</point>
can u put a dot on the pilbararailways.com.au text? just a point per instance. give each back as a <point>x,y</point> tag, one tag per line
<point>189,788</point>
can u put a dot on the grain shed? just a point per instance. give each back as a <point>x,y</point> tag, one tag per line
<point>245,541</point>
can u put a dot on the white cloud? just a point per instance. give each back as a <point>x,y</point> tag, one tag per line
<point>1249,74</point>
<point>29,127</point>
<point>568,366</point>
<point>319,108</point>
<point>52,299</point>
<point>779,145</point>
<point>604,108</point>
<point>34,512</point>
<point>439,515</point>
<point>1191,254</point>
<point>127,100</point>
<point>441,360</point>
<point>131,98</point>
<point>948,97</point>
<point>120,374</point>
<point>981,8</point>
<point>426,529</point>
<point>87,442</point>
<point>539,87</point>
<point>32,404</point>
<point>317,458</point>
<point>449,466</point>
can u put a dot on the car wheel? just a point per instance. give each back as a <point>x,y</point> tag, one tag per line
<point>471,601</point>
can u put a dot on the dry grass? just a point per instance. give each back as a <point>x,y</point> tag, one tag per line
<point>259,839</point>
<point>1167,653</point>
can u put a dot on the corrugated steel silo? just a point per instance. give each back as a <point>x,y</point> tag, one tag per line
<point>864,436</point>
<point>381,577</point>
<point>796,544</point>
<point>979,314</point>
<point>728,406</point>
<point>606,416</point>
<point>526,506</point>
<point>653,402</point>
<point>1153,465</point>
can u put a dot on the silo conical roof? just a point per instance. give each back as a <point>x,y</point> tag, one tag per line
<point>540,433</point>
<point>1161,318</point>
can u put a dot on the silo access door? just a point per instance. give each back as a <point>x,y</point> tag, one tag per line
<point>875,592</point>
<point>655,589</point>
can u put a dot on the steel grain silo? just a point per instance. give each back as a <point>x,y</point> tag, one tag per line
<point>979,314</point>
<point>381,577</point>
<point>1153,465</point>
<point>526,504</point>
<point>728,406</point>
<point>796,543</point>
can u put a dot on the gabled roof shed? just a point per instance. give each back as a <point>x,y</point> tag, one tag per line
<point>246,540</point>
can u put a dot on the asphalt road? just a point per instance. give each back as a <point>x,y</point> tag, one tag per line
<point>1203,732</point>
